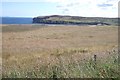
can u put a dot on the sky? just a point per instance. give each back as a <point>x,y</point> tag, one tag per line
<point>34,8</point>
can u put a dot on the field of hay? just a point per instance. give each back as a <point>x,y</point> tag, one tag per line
<point>42,51</point>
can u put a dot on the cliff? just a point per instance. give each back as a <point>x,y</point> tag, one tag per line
<point>75,20</point>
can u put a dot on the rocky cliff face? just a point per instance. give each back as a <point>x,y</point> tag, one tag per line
<point>75,20</point>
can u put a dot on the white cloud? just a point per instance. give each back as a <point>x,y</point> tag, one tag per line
<point>88,7</point>
<point>82,7</point>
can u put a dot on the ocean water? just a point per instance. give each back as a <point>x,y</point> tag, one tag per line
<point>15,20</point>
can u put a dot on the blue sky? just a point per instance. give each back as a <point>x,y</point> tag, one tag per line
<point>33,8</point>
<point>28,9</point>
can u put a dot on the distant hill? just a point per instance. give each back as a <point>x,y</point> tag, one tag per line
<point>16,20</point>
<point>75,20</point>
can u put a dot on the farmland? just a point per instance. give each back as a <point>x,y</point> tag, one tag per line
<point>54,51</point>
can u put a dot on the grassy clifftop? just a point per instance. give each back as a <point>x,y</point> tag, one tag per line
<point>75,20</point>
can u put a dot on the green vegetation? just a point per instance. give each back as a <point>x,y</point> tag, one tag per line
<point>69,67</point>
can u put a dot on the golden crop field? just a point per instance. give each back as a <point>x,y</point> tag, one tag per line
<point>54,51</point>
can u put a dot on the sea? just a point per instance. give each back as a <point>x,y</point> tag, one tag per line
<point>15,20</point>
